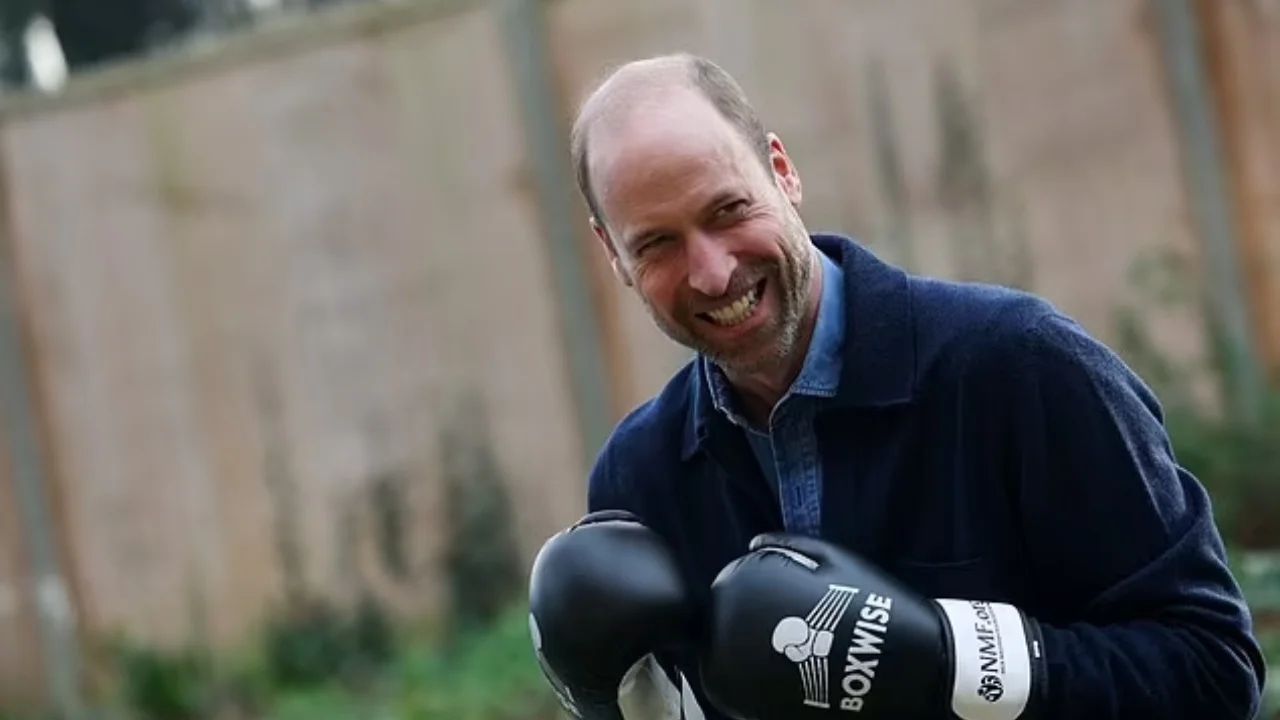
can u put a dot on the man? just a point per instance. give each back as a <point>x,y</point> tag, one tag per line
<point>970,440</point>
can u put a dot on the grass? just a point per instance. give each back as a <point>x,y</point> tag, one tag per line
<point>493,677</point>
<point>490,675</point>
<point>486,675</point>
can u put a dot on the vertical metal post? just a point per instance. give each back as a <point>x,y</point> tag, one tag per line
<point>1211,200</point>
<point>18,422</point>
<point>888,164</point>
<point>524,34</point>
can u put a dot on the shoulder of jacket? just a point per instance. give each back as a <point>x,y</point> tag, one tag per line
<point>957,321</point>
<point>645,444</point>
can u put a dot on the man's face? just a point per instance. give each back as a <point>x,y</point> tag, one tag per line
<point>709,237</point>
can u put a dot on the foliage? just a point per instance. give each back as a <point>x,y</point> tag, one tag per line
<point>491,676</point>
<point>1271,693</point>
<point>487,674</point>
<point>1237,460</point>
<point>1239,465</point>
<point>306,648</point>
<point>483,560</point>
<point>315,642</point>
<point>316,660</point>
<point>160,685</point>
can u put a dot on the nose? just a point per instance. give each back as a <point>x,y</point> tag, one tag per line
<point>711,266</point>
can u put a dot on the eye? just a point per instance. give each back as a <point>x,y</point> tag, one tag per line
<point>731,209</point>
<point>652,243</point>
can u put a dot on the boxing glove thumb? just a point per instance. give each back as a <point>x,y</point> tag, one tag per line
<point>809,547</point>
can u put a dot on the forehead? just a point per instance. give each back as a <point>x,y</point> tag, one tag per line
<point>667,158</point>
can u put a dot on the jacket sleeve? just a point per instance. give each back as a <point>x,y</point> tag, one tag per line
<point>1148,620</point>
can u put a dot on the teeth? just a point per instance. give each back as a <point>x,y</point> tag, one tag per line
<point>739,310</point>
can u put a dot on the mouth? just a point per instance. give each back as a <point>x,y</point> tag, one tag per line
<point>738,311</point>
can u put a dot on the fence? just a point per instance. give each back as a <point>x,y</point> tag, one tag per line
<point>265,287</point>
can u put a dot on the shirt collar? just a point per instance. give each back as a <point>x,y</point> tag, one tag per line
<point>878,355</point>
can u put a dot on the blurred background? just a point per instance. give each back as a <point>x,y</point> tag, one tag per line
<point>305,346</point>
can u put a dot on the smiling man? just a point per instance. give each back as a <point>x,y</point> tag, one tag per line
<point>895,439</point>
<point>702,222</point>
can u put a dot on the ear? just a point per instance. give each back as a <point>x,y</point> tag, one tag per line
<point>615,262</point>
<point>785,175</point>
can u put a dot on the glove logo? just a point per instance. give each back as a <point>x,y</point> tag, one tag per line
<point>990,652</point>
<point>991,688</point>
<point>807,642</point>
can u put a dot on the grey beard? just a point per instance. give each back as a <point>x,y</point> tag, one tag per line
<point>795,282</point>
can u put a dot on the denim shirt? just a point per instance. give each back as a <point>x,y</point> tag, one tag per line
<point>788,450</point>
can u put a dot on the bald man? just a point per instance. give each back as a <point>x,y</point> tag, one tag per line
<point>972,441</point>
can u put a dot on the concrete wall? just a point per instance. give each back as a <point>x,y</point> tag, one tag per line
<point>265,282</point>
<point>21,655</point>
<point>260,293</point>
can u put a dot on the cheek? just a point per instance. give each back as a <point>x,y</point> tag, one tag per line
<point>763,241</point>
<point>660,288</point>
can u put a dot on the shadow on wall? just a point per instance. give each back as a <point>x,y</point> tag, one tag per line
<point>390,555</point>
<point>988,240</point>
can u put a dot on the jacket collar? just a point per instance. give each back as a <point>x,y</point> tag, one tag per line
<point>879,351</point>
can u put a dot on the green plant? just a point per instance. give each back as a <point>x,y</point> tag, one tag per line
<point>327,702</point>
<point>489,675</point>
<point>373,636</point>
<point>484,570</point>
<point>1239,464</point>
<point>305,660</point>
<point>314,641</point>
<point>1271,692</point>
<point>1237,458</point>
<point>160,685</point>
<point>304,644</point>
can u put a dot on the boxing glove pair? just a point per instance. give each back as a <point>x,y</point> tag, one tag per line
<point>796,628</point>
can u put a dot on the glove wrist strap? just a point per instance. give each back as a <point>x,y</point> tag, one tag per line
<point>997,660</point>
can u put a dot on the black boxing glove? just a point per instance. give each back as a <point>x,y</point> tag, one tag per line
<point>800,628</point>
<point>604,595</point>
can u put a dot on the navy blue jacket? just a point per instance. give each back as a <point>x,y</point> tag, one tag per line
<point>981,446</point>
